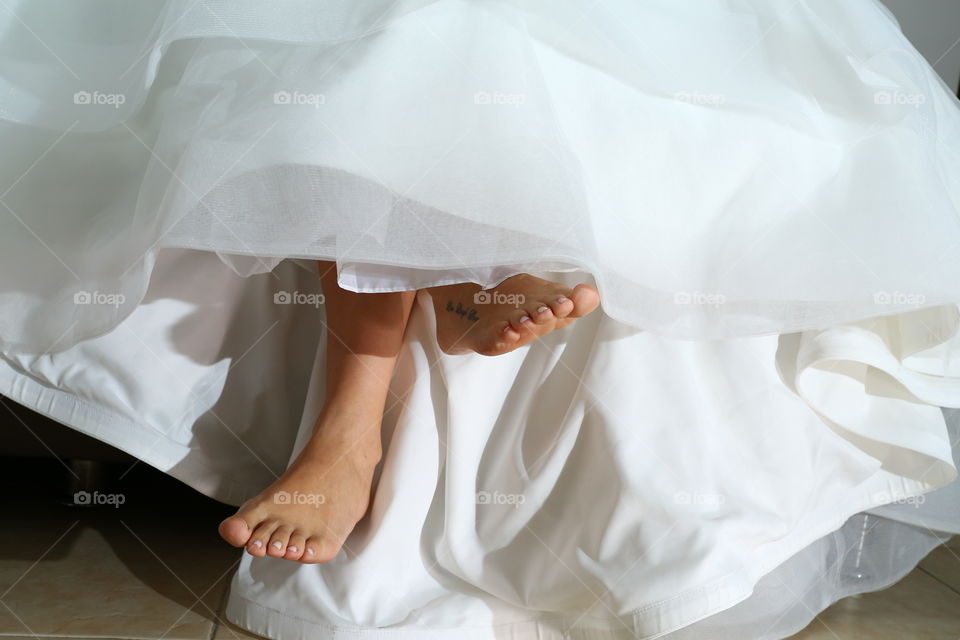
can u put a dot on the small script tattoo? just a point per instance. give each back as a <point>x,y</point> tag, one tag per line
<point>465,313</point>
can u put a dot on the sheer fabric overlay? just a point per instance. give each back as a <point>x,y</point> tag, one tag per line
<point>765,193</point>
<point>743,168</point>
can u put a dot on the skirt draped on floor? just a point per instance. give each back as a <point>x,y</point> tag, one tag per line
<point>758,422</point>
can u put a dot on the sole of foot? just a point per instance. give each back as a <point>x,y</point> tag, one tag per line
<point>518,311</point>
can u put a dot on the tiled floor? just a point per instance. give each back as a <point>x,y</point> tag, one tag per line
<point>143,570</point>
<point>137,572</point>
<point>925,605</point>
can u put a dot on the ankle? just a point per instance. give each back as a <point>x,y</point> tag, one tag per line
<point>347,435</point>
<point>349,417</point>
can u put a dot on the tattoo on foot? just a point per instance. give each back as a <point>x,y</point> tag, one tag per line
<point>464,312</point>
<point>520,310</point>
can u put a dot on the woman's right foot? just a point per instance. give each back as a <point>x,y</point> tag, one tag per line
<point>514,313</point>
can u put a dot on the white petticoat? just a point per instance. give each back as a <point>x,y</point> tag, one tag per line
<point>766,194</point>
<point>602,483</point>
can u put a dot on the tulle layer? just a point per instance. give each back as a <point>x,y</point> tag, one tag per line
<point>603,480</point>
<point>780,176</point>
<point>746,168</point>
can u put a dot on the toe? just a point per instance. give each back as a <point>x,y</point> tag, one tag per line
<point>585,299</point>
<point>327,550</point>
<point>278,541</point>
<point>508,334</point>
<point>541,313</point>
<point>521,322</point>
<point>235,530</point>
<point>295,546</point>
<point>319,549</point>
<point>311,551</point>
<point>561,306</point>
<point>503,340</point>
<point>503,330</point>
<point>257,545</point>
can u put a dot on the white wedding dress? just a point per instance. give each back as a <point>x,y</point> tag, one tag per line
<point>758,422</point>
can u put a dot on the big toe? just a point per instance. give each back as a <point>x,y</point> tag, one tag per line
<point>235,530</point>
<point>585,299</point>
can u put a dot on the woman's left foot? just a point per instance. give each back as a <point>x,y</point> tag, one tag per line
<point>307,514</point>
<point>514,313</point>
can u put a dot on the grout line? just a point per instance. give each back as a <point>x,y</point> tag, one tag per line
<point>938,579</point>
<point>221,606</point>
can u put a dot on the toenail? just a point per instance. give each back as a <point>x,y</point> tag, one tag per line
<point>543,308</point>
<point>292,548</point>
<point>505,329</point>
<point>257,543</point>
<point>524,319</point>
<point>561,299</point>
<point>277,545</point>
<point>309,551</point>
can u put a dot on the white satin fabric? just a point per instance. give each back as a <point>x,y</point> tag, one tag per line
<point>602,483</point>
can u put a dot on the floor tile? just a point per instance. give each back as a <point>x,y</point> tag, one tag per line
<point>916,608</point>
<point>148,568</point>
<point>155,567</point>
<point>228,631</point>
<point>944,564</point>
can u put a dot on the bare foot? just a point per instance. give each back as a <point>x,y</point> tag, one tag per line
<point>516,312</point>
<point>307,514</point>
